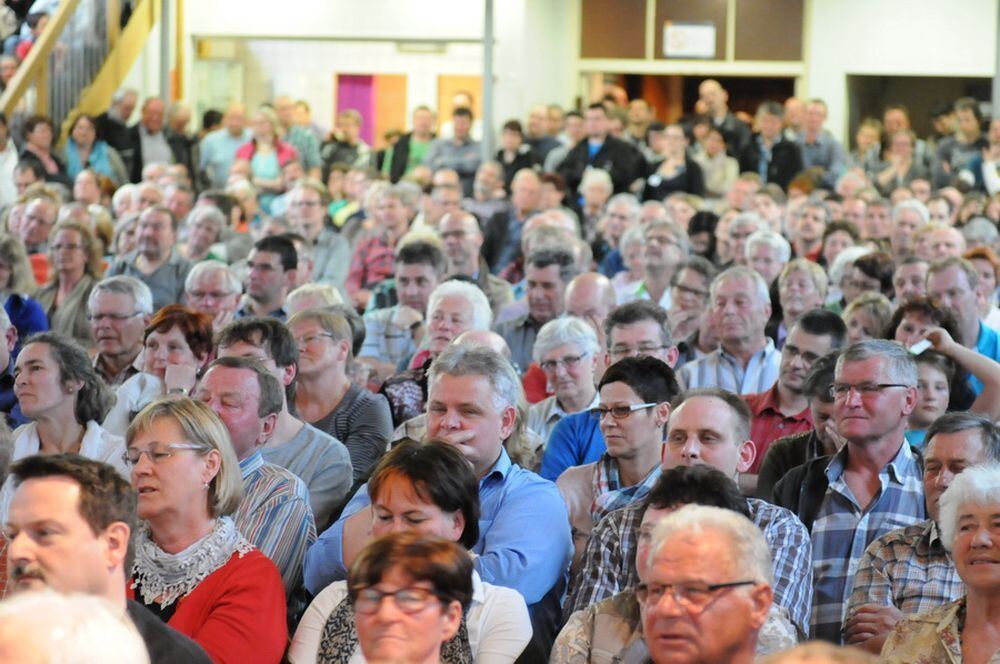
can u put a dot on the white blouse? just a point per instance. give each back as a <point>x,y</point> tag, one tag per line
<point>497,620</point>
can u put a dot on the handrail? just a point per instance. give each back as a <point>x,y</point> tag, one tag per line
<point>34,68</point>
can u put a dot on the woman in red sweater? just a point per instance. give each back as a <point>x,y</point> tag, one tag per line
<point>192,567</point>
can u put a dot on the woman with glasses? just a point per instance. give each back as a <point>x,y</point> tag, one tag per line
<point>16,281</point>
<point>453,307</point>
<point>177,346</point>
<point>425,490</point>
<point>566,349</point>
<point>76,266</point>
<point>327,399</point>
<point>192,567</point>
<point>58,389</point>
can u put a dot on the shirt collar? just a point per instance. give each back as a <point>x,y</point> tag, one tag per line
<point>252,463</point>
<point>500,468</point>
<point>556,409</point>
<point>901,465</point>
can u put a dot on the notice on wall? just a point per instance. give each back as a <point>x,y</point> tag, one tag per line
<point>689,39</point>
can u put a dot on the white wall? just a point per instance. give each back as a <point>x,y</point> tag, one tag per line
<point>894,37</point>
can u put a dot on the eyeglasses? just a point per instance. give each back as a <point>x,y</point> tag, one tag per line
<point>548,366</point>
<point>687,290</point>
<point>69,246</point>
<point>694,597</point>
<point>305,341</point>
<point>662,239</point>
<point>112,318</point>
<point>156,454</point>
<point>407,600</point>
<point>842,390</point>
<point>643,349</point>
<point>618,412</point>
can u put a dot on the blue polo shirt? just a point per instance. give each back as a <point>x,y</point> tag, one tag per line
<point>988,344</point>
<point>575,440</point>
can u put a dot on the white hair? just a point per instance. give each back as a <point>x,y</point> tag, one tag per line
<point>634,235</point>
<point>911,204</point>
<point>748,547</point>
<point>482,314</point>
<point>325,292</point>
<point>599,177</point>
<point>771,239</point>
<point>242,186</point>
<point>980,229</point>
<point>69,629</point>
<point>202,268</point>
<point>563,331</point>
<point>123,192</point>
<point>977,485</point>
<point>743,272</point>
<point>749,219</point>
<point>125,285</point>
<point>628,200</point>
<point>845,258</point>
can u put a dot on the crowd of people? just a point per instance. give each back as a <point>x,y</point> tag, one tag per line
<point>629,392</point>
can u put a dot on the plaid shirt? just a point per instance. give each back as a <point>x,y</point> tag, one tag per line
<point>909,569</point>
<point>609,560</point>
<point>372,261</point>
<point>769,424</point>
<point>843,530</point>
<point>720,369</point>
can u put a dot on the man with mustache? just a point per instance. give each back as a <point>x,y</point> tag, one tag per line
<point>68,530</point>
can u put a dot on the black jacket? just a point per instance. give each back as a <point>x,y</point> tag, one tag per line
<point>802,488</point>
<point>495,233</point>
<point>785,164</point>
<point>165,644</point>
<point>621,160</point>
<point>112,132</point>
<point>400,157</point>
<point>132,154</point>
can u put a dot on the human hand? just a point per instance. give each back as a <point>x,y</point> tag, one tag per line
<point>180,378</point>
<point>871,621</point>
<point>940,340</point>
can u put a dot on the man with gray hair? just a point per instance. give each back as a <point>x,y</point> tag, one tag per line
<point>9,405</point>
<point>112,125</point>
<point>331,253</point>
<point>524,540</point>
<point>907,571</point>
<point>709,588</point>
<point>907,217</point>
<point>212,288</point>
<point>747,361</point>
<point>548,271</point>
<point>871,486</point>
<point>740,229</point>
<point>665,246</point>
<point>463,242</point>
<point>620,214</point>
<point>767,253</point>
<point>119,308</point>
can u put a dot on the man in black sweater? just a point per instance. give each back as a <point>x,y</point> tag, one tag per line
<point>601,150</point>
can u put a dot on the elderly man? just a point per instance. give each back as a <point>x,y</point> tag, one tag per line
<point>502,232</point>
<point>274,514</point>
<point>709,427</point>
<point>150,142</point>
<point>213,289</point>
<point>716,101</point>
<point>907,217</point>
<point>36,224</point>
<point>637,328</point>
<point>871,486</point>
<point>444,199</point>
<point>463,241</point>
<point>741,228</point>
<point>665,246</point>
<point>768,253</point>
<point>547,271</point>
<point>93,510</point>
<point>319,459</point>
<point>910,279</point>
<point>472,404</point>
<point>601,150</point>
<point>907,571</point>
<point>488,195</point>
<point>747,361</point>
<point>944,241</point>
<point>112,125</point>
<point>955,282</point>
<point>620,214</point>
<point>156,261</point>
<point>331,253</point>
<point>819,147</point>
<point>716,568</point>
<point>119,308</point>
<point>217,151</point>
<point>271,274</point>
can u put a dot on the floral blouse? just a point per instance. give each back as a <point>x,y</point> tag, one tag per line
<point>930,638</point>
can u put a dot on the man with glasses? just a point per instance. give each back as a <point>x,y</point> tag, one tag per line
<point>118,309</point>
<point>666,245</point>
<point>637,328</point>
<point>871,486</point>
<point>213,289</point>
<point>689,289</point>
<point>463,241</point>
<point>156,261</point>
<point>271,274</point>
<point>633,408</point>
<point>708,427</point>
<point>331,253</point>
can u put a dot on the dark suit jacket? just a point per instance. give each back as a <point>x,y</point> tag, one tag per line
<point>736,132</point>
<point>620,159</point>
<point>112,132</point>
<point>786,161</point>
<point>165,644</point>
<point>132,154</point>
<point>495,233</point>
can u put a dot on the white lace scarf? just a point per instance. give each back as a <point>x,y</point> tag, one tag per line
<point>164,578</point>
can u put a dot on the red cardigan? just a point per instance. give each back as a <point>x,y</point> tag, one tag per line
<point>237,614</point>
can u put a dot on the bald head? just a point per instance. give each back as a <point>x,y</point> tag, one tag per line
<point>484,339</point>
<point>590,296</point>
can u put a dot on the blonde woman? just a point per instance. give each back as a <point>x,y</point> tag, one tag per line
<point>77,265</point>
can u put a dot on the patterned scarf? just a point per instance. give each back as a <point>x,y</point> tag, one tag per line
<point>340,639</point>
<point>609,494</point>
<point>164,577</point>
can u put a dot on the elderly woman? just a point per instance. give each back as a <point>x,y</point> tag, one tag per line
<point>867,316</point>
<point>452,308</point>
<point>964,630</point>
<point>595,189</point>
<point>77,265</point>
<point>85,151</point>
<point>802,286</point>
<point>630,246</point>
<point>39,137</point>
<point>192,567</point>
<point>841,278</point>
<point>567,351</point>
<point>312,296</point>
<point>204,230</point>
<point>428,489</point>
<point>177,346</point>
<point>16,281</point>
<point>59,391</point>
<point>265,154</point>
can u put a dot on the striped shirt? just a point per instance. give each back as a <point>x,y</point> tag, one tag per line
<point>275,516</point>
<point>843,530</point>
<point>720,369</point>
<point>608,565</point>
<point>363,423</point>
<point>907,568</point>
